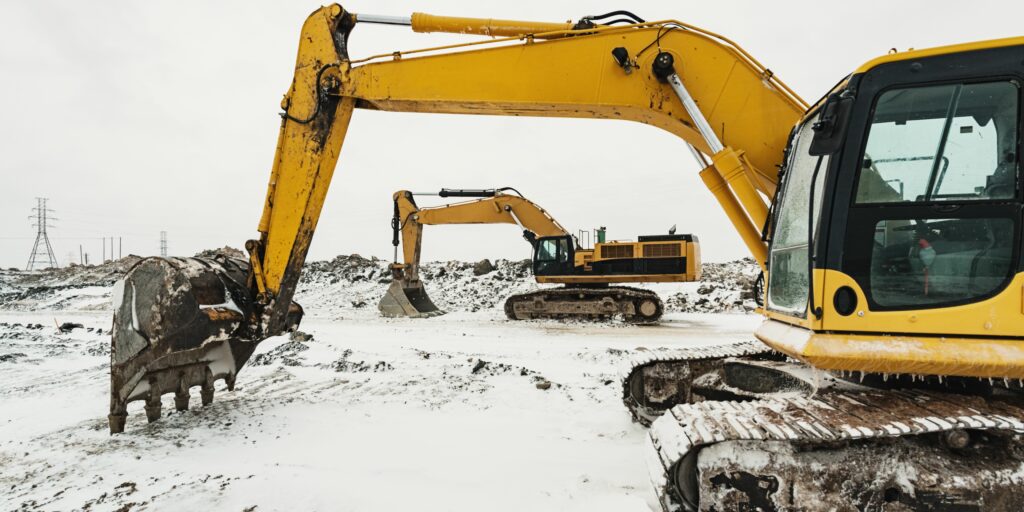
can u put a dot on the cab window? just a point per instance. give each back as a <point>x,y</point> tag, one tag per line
<point>789,273</point>
<point>941,143</point>
<point>936,216</point>
<point>548,250</point>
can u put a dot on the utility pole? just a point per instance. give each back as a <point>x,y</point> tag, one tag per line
<point>163,244</point>
<point>81,258</point>
<point>42,251</point>
<point>118,247</point>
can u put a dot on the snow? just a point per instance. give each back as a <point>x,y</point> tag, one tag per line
<point>443,413</point>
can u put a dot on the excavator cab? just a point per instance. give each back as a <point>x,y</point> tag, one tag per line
<point>900,212</point>
<point>554,256</point>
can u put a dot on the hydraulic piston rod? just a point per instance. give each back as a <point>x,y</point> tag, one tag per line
<point>421,22</point>
<point>740,200</point>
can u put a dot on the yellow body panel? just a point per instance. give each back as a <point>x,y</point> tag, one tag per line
<point>898,354</point>
<point>587,257</point>
<point>980,339</point>
<point>576,77</point>
<point>996,316</point>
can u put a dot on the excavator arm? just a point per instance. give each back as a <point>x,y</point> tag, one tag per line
<point>605,72</point>
<point>498,208</point>
<point>188,322</point>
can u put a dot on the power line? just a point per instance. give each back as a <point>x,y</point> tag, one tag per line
<point>42,251</point>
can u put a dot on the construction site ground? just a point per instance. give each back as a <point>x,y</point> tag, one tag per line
<point>466,411</point>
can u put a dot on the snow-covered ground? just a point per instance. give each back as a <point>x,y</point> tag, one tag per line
<point>446,413</point>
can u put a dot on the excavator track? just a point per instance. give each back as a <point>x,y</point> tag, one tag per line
<point>654,381</point>
<point>635,305</point>
<point>842,450</point>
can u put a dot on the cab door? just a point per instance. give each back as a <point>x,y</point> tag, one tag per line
<point>553,256</point>
<point>795,228</point>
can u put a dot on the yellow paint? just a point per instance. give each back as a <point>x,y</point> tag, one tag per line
<point>934,341</point>
<point>898,354</point>
<point>741,222</point>
<point>576,77</point>
<point>1000,313</point>
<point>485,27</point>
<point>736,170</point>
<point>305,159</point>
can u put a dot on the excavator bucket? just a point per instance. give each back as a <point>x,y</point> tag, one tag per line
<point>403,299</point>
<point>179,323</point>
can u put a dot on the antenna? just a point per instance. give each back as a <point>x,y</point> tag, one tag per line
<point>163,244</point>
<point>42,252</point>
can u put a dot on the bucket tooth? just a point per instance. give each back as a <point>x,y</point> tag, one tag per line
<point>116,422</point>
<point>181,396</point>
<point>207,395</point>
<point>153,402</point>
<point>407,299</point>
<point>206,392</point>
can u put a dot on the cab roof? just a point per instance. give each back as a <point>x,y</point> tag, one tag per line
<point>939,50</point>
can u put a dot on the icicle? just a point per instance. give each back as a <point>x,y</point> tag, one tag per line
<point>862,376</point>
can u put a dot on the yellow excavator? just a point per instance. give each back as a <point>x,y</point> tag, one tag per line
<point>557,258</point>
<point>887,217</point>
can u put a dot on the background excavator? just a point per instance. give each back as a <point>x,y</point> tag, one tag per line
<point>557,258</point>
<point>887,217</point>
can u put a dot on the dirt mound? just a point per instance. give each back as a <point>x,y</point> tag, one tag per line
<point>723,288</point>
<point>351,283</point>
<point>85,287</point>
<point>226,251</point>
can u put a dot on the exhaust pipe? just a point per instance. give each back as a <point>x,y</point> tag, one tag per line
<point>179,323</point>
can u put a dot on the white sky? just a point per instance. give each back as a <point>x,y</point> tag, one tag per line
<point>136,117</point>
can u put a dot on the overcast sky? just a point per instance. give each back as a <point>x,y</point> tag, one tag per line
<point>137,117</point>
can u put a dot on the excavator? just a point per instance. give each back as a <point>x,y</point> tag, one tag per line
<point>886,216</point>
<point>557,258</point>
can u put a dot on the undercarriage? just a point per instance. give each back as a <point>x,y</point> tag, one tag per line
<point>635,305</point>
<point>743,429</point>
